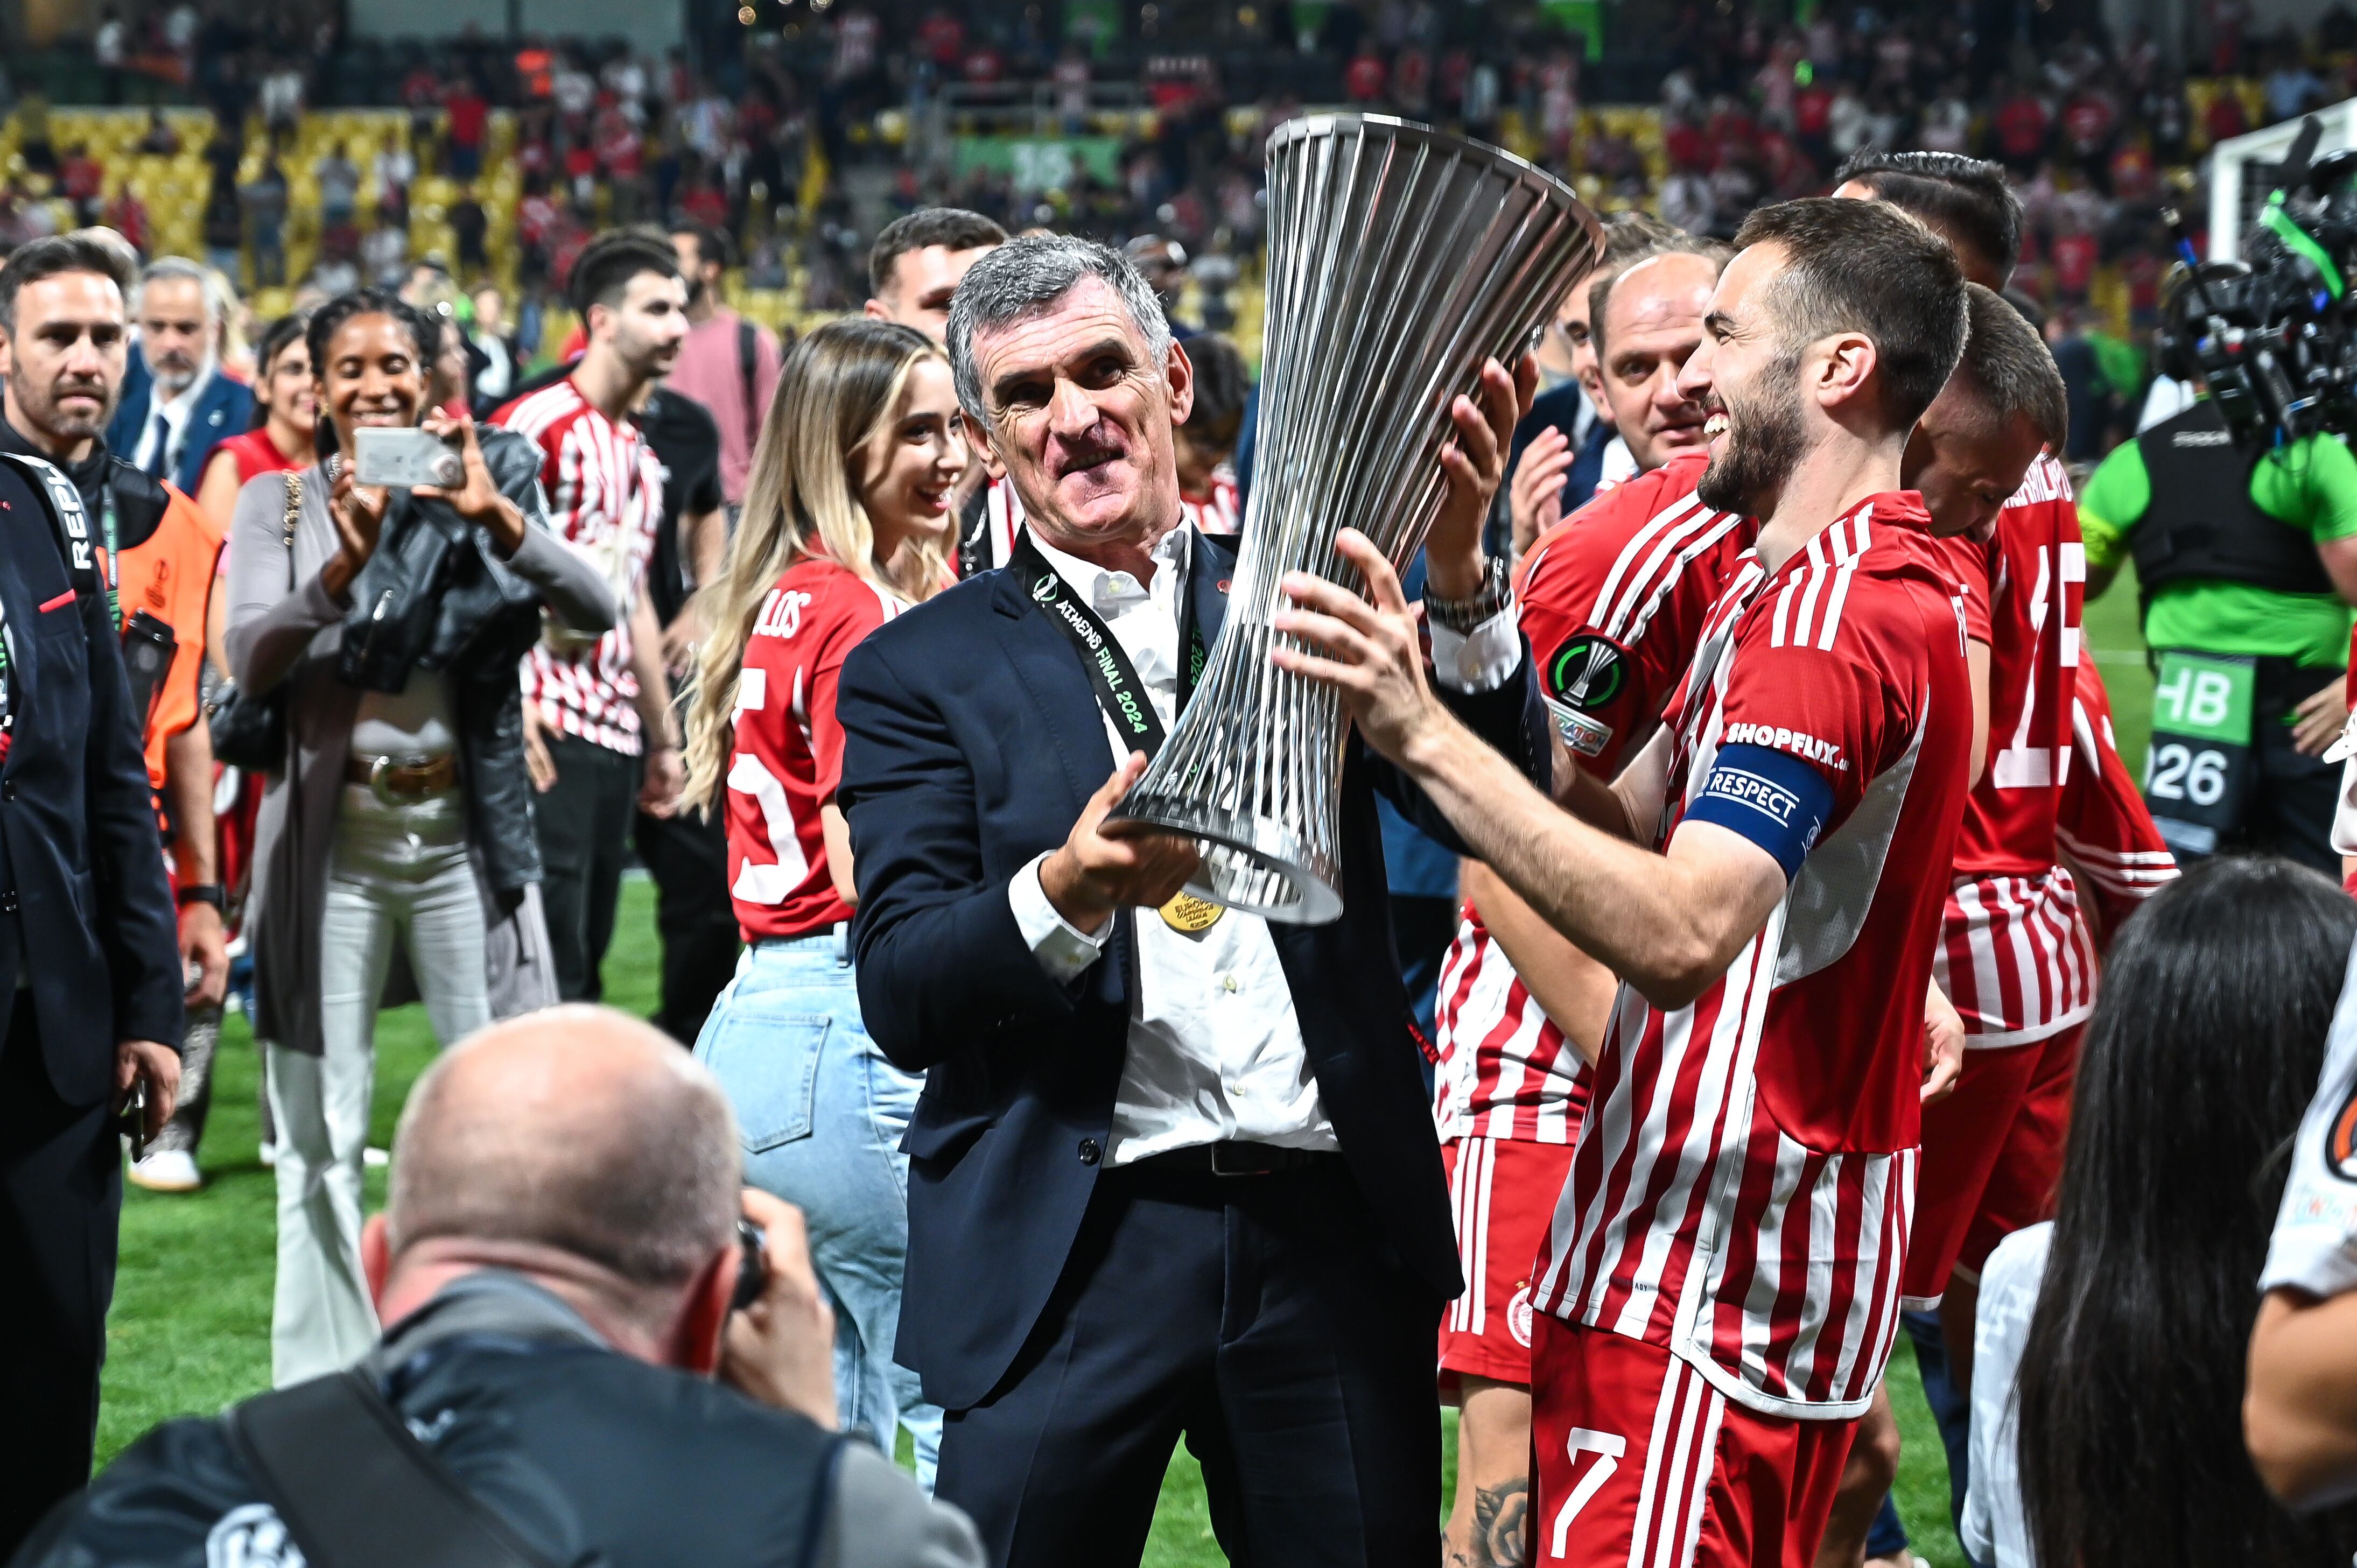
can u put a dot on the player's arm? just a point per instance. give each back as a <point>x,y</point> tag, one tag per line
<point>1570,987</point>
<point>1668,924</point>
<point>2300,1406</point>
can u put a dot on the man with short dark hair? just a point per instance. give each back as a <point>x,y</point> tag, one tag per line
<point>913,269</point>
<point>1716,1298</point>
<point>556,1268</point>
<point>727,363</point>
<point>915,264</point>
<point>600,734</point>
<point>86,929</point>
<point>1967,201</point>
<point>169,549</point>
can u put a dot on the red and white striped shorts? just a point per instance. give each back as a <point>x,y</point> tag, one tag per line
<point>1503,1194</point>
<point>1643,1464</point>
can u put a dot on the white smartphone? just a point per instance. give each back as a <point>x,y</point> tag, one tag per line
<point>404,459</point>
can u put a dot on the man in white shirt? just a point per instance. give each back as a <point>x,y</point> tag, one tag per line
<point>176,403</point>
<point>1173,1170</point>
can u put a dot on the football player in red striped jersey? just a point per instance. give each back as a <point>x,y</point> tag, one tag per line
<point>1719,1293</point>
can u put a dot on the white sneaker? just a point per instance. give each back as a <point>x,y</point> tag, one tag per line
<point>167,1170</point>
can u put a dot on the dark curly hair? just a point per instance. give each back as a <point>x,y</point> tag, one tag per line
<point>423,330</point>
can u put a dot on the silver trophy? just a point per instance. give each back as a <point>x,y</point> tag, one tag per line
<point>1399,259</point>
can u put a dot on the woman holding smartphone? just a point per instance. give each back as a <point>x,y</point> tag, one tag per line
<point>847,522</point>
<point>399,824</point>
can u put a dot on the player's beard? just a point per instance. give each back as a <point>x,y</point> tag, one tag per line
<point>1763,447</point>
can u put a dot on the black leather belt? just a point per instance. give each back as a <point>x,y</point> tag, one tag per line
<point>1238,1159</point>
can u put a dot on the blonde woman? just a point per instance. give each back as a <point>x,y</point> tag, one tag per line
<point>847,522</point>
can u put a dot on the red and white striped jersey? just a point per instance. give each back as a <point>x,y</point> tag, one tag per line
<point>1742,1185</point>
<point>1220,508</point>
<point>605,498</point>
<point>2103,825</point>
<point>1612,600</point>
<point>2014,956</point>
<point>1505,1070</point>
<point>788,747</point>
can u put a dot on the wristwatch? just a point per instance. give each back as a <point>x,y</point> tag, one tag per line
<point>1493,599</point>
<point>201,893</point>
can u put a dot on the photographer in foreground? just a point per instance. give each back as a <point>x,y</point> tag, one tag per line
<point>2246,565</point>
<point>557,1261</point>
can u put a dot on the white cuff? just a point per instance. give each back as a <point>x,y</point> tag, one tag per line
<point>1062,948</point>
<point>1482,659</point>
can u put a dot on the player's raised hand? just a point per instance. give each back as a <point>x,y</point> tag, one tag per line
<point>1474,464</point>
<point>1373,652</point>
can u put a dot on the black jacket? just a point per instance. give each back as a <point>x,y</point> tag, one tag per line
<point>436,597</point>
<point>587,1456</point>
<point>972,741</point>
<point>85,913</point>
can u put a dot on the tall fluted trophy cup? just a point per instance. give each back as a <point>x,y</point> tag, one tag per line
<point>1399,259</point>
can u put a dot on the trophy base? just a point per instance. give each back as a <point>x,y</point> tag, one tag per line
<point>1250,863</point>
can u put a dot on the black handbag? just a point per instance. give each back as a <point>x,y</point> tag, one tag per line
<point>249,732</point>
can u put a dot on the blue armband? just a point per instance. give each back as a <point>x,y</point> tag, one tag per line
<point>1772,798</point>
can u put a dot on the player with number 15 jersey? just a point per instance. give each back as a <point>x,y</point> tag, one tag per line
<point>789,747</point>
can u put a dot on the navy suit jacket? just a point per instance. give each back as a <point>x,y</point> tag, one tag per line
<point>225,408</point>
<point>86,912</point>
<point>972,741</point>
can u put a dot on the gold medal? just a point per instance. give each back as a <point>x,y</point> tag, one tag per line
<point>1189,913</point>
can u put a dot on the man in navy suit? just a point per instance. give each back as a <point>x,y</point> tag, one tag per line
<point>89,945</point>
<point>176,403</point>
<point>1170,1174</point>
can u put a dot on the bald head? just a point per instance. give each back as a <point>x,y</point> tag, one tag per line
<point>577,1129</point>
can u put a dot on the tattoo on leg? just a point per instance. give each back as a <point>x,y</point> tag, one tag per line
<point>1499,1515</point>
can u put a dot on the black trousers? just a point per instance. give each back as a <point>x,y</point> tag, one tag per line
<point>584,827</point>
<point>688,858</point>
<point>1268,1320</point>
<point>61,1200</point>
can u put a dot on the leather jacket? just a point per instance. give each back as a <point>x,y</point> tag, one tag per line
<point>436,597</point>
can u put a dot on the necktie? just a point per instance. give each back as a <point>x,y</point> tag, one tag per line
<point>161,436</point>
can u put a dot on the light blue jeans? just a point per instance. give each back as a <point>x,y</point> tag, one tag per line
<point>821,1112</point>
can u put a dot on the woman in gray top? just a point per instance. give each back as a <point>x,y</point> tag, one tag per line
<point>395,841</point>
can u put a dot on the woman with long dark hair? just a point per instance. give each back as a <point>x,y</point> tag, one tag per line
<point>847,522</point>
<point>395,841</point>
<point>2202,1055</point>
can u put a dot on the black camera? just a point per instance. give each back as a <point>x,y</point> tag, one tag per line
<point>2274,339</point>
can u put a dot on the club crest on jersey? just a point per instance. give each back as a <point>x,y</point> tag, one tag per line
<point>2340,1143</point>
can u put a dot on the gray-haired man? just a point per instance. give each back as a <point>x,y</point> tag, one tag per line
<point>176,403</point>
<point>1174,1170</point>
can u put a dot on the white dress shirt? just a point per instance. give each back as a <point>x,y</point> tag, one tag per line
<point>173,427</point>
<point>1995,1528</point>
<point>1215,1050</point>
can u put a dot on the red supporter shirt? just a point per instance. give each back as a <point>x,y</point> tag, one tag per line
<point>1740,1196</point>
<point>1613,601</point>
<point>2014,956</point>
<point>788,747</point>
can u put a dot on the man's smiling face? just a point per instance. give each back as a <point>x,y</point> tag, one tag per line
<point>1080,413</point>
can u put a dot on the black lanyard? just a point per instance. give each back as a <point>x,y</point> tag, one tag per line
<point>1119,691</point>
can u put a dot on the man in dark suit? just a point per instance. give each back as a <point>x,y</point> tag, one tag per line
<point>1174,1169</point>
<point>88,941</point>
<point>176,402</point>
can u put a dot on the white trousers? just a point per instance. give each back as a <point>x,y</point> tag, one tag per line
<point>398,874</point>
